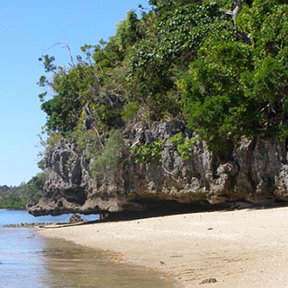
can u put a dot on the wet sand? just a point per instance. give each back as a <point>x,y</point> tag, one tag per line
<point>245,248</point>
<point>68,265</point>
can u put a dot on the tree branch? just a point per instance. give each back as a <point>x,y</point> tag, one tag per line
<point>238,6</point>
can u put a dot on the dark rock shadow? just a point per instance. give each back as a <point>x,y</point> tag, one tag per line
<point>169,208</point>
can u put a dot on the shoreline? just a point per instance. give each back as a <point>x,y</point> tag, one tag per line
<point>224,248</point>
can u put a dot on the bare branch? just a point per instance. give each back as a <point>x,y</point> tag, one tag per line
<point>238,6</point>
<point>67,47</point>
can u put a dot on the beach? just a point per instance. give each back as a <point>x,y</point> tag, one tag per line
<point>241,248</point>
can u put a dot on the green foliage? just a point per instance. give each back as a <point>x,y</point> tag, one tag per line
<point>234,88</point>
<point>88,140</point>
<point>212,94</point>
<point>130,111</point>
<point>107,161</point>
<point>48,62</point>
<point>156,61</point>
<point>181,58</point>
<point>58,111</point>
<point>149,153</point>
<point>128,31</point>
<point>34,187</point>
<point>183,145</point>
<point>53,139</point>
<point>73,88</point>
<point>18,197</point>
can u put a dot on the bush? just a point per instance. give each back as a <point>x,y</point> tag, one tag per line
<point>183,145</point>
<point>105,164</point>
<point>130,111</point>
<point>150,153</point>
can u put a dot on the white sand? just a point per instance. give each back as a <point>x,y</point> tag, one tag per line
<point>245,248</point>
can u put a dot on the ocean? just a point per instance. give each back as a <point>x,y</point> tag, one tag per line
<point>28,260</point>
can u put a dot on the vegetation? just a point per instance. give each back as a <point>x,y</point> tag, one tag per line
<point>106,163</point>
<point>226,77</point>
<point>150,153</point>
<point>18,197</point>
<point>183,145</point>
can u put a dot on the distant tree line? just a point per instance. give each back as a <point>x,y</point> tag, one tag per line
<point>16,197</point>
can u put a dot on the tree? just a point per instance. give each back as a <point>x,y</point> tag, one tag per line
<point>238,88</point>
<point>184,59</point>
<point>17,197</point>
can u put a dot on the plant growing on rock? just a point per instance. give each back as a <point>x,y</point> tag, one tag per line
<point>226,76</point>
<point>148,153</point>
<point>106,162</point>
<point>184,145</point>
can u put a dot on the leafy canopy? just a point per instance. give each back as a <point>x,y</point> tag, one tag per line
<point>181,58</point>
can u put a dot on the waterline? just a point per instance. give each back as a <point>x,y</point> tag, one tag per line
<point>28,260</point>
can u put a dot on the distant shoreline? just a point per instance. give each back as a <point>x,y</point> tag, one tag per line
<point>227,248</point>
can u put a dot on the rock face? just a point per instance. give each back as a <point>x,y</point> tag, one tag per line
<point>256,171</point>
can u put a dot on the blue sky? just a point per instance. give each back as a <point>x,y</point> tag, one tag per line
<point>28,29</point>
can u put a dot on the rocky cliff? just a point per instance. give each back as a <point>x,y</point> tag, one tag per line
<point>254,171</point>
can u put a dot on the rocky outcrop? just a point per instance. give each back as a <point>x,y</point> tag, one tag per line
<point>255,171</point>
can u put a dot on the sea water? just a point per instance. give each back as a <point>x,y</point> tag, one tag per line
<point>27,260</point>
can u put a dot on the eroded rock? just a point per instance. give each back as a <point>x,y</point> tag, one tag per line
<point>256,172</point>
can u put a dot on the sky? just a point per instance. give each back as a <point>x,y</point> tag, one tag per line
<point>29,29</point>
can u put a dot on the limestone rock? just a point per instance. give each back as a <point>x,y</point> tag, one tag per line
<point>257,171</point>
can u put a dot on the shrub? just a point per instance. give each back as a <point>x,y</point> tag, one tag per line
<point>130,111</point>
<point>183,145</point>
<point>107,162</point>
<point>150,153</point>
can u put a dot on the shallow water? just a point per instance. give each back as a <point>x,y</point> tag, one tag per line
<point>27,260</point>
<point>75,266</point>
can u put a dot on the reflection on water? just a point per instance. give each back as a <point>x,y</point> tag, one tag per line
<point>69,265</point>
<point>27,260</point>
<point>20,258</point>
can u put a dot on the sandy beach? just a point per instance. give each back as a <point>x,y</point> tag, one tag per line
<point>244,248</point>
